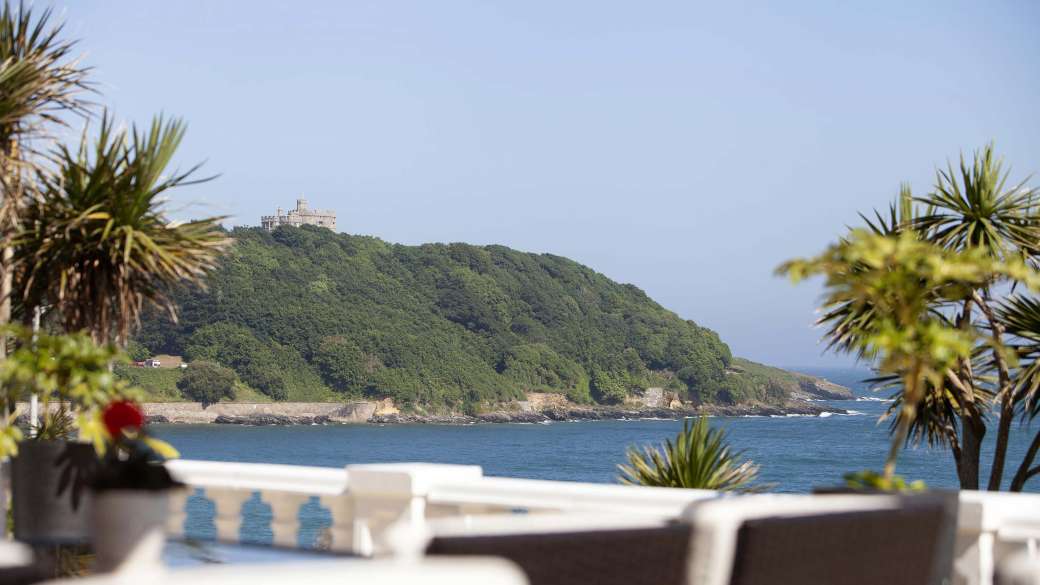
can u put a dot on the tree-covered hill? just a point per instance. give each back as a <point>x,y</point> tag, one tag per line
<point>308,314</point>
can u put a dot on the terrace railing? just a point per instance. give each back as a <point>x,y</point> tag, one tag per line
<point>365,501</point>
<point>373,508</point>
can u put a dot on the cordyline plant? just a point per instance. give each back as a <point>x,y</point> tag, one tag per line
<point>98,245</point>
<point>699,457</point>
<point>918,293</point>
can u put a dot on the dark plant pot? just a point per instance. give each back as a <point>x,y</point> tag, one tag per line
<point>49,493</point>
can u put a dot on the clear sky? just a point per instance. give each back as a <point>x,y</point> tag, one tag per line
<point>685,147</point>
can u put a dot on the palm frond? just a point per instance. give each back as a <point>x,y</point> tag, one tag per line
<point>1020,317</point>
<point>40,79</point>
<point>99,243</point>
<point>973,207</point>
<point>699,457</point>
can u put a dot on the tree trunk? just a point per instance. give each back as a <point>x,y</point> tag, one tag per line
<point>1007,413</point>
<point>1018,483</point>
<point>1004,392</point>
<point>8,200</point>
<point>972,433</point>
<point>973,428</point>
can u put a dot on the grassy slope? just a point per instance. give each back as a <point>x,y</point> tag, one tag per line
<point>160,385</point>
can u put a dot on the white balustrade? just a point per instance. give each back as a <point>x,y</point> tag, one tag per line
<point>991,526</point>
<point>283,487</point>
<point>383,508</point>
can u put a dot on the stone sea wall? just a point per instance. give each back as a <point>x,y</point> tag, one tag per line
<point>259,413</point>
<point>537,408</point>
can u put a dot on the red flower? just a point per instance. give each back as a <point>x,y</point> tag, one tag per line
<point>121,415</point>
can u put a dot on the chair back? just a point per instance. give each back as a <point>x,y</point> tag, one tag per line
<point>823,539</point>
<point>894,547</point>
<point>629,556</point>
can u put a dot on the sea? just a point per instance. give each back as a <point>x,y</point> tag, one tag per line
<point>794,453</point>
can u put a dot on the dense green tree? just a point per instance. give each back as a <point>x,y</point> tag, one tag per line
<point>136,351</point>
<point>342,364</point>
<point>207,382</point>
<point>304,312</point>
<point>608,388</point>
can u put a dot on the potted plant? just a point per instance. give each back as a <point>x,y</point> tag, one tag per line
<point>130,491</point>
<point>51,464</point>
<point>872,482</point>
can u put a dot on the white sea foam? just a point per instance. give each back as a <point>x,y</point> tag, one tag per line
<point>872,399</point>
<point>826,414</point>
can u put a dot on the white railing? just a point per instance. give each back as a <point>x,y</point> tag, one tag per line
<point>283,487</point>
<point>365,501</point>
<point>372,506</point>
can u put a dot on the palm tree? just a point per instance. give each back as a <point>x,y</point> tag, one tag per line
<point>699,457</point>
<point>974,220</point>
<point>98,244</point>
<point>975,208</point>
<point>40,84</point>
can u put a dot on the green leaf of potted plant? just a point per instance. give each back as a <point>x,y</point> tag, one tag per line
<point>51,464</point>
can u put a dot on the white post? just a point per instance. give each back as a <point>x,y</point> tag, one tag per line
<point>393,495</point>
<point>34,401</point>
<point>34,414</point>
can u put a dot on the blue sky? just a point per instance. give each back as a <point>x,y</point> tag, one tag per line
<point>687,148</point>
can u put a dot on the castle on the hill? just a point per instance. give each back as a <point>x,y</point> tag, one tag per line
<point>302,215</point>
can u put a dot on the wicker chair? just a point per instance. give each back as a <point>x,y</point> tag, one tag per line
<point>655,555</point>
<point>823,540</point>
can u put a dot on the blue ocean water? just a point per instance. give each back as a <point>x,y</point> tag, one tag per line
<point>796,453</point>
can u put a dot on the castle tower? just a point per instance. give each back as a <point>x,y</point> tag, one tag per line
<point>302,215</point>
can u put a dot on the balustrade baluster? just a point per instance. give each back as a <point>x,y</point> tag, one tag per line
<point>228,516</point>
<point>285,516</point>
<point>341,508</point>
<point>178,513</point>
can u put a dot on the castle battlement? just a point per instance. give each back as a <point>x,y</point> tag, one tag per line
<point>302,215</point>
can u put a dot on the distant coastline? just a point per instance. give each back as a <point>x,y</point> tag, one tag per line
<point>302,413</point>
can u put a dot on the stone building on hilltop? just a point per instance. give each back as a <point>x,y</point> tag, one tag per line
<point>302,215</point>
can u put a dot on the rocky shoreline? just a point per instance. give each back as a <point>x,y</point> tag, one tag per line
<point>548,415</point>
